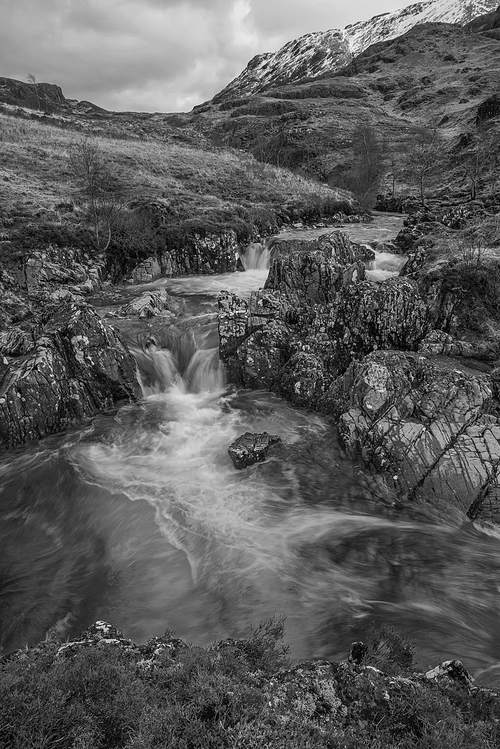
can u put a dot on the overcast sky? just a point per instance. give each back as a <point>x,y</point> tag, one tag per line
<point>157,55</point>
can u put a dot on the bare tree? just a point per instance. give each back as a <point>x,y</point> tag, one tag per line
<point>367,164</point>
<point>425,151</point>
<point>474,161</point>
<point>98,187</point>
<point>32,80</point>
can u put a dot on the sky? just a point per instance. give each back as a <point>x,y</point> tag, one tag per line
<point>157,55</point>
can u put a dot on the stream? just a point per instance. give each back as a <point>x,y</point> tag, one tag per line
<point>140,518</point>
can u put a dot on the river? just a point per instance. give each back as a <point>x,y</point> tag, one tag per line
<point>139,517</point>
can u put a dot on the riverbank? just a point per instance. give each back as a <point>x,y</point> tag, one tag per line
<point>104,690</point>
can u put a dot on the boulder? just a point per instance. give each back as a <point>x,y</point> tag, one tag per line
<point>251,448</point>
<point>78,366</point>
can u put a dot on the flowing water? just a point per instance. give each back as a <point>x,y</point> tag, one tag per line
<point>140,518</point>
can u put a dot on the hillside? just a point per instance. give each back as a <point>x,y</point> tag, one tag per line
<point>164,193</point>
<point>323,52</point>
<point>434,74</point>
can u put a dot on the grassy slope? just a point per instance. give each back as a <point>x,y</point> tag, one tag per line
<point>35,174</point>
<point>434,72</point>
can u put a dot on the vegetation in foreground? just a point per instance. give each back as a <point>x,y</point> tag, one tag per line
<point>236,693</point>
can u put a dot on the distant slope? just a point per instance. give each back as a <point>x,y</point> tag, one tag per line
<point>434,73</point>
<point>326,51</point>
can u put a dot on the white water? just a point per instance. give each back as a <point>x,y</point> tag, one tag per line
<point>256,257</point>
<point>385,265</point>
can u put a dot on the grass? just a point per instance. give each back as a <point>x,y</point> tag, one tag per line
<point>35,172</point>
<point>235,694</point>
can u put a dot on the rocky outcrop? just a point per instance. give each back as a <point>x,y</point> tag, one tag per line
<point>198,253</point>
<point>315,315</point>
<point>60,272</point>
<point>251,448</point>
<point>152,304</point>
<point>425,425</point>
<point>77,366</point>
<point>147,271</point>
<point>185,248</point>
<point>439,343</point>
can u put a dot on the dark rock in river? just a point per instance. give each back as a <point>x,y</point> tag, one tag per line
<point>79,366</point>
<point>251,448</point>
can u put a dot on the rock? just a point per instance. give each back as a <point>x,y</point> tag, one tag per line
<point>314,270</point>
<point>251,448</point>
<point>451,670</point>
<point>147,271</point>
<point>303,380</point>
<point>16,342</point>
<point>314,317</point>
<point>151,304</point>
<point>425,426</point>
<point>78,366</point>
<point>389,203</point>
<point>439,343</point>
<point>49,270</point>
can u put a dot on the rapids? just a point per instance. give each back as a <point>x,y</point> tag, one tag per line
<point>139,517</point>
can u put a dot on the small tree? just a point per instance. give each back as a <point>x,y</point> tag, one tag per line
<point>32,80</point>
<point>365,174</point>
<point>98,188</point>
<point>474,161</point>
<point>425,151</point>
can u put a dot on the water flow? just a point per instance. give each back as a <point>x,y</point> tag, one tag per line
<point>385,265</point>
<point>142,519</point>
<point>256,546</point>
<point>256,256</point>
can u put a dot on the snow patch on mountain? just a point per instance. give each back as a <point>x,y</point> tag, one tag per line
<point>323,51</point>
<point>381,28</point>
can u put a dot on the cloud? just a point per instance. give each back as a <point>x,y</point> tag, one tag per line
<point>152,55</point>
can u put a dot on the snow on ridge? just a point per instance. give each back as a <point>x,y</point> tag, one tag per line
<point>319,52</point>
<point>390,25</point>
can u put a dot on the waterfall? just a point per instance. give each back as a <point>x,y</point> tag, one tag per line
<point>256,257</point>
<point>185,364</point>
<point>385,265</point>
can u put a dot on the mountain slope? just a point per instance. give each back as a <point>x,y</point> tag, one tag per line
<point>434,73</point>
<point>314,54</point>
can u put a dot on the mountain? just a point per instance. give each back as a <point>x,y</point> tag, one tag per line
<point>314,54</point>
<point>434,74</point>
